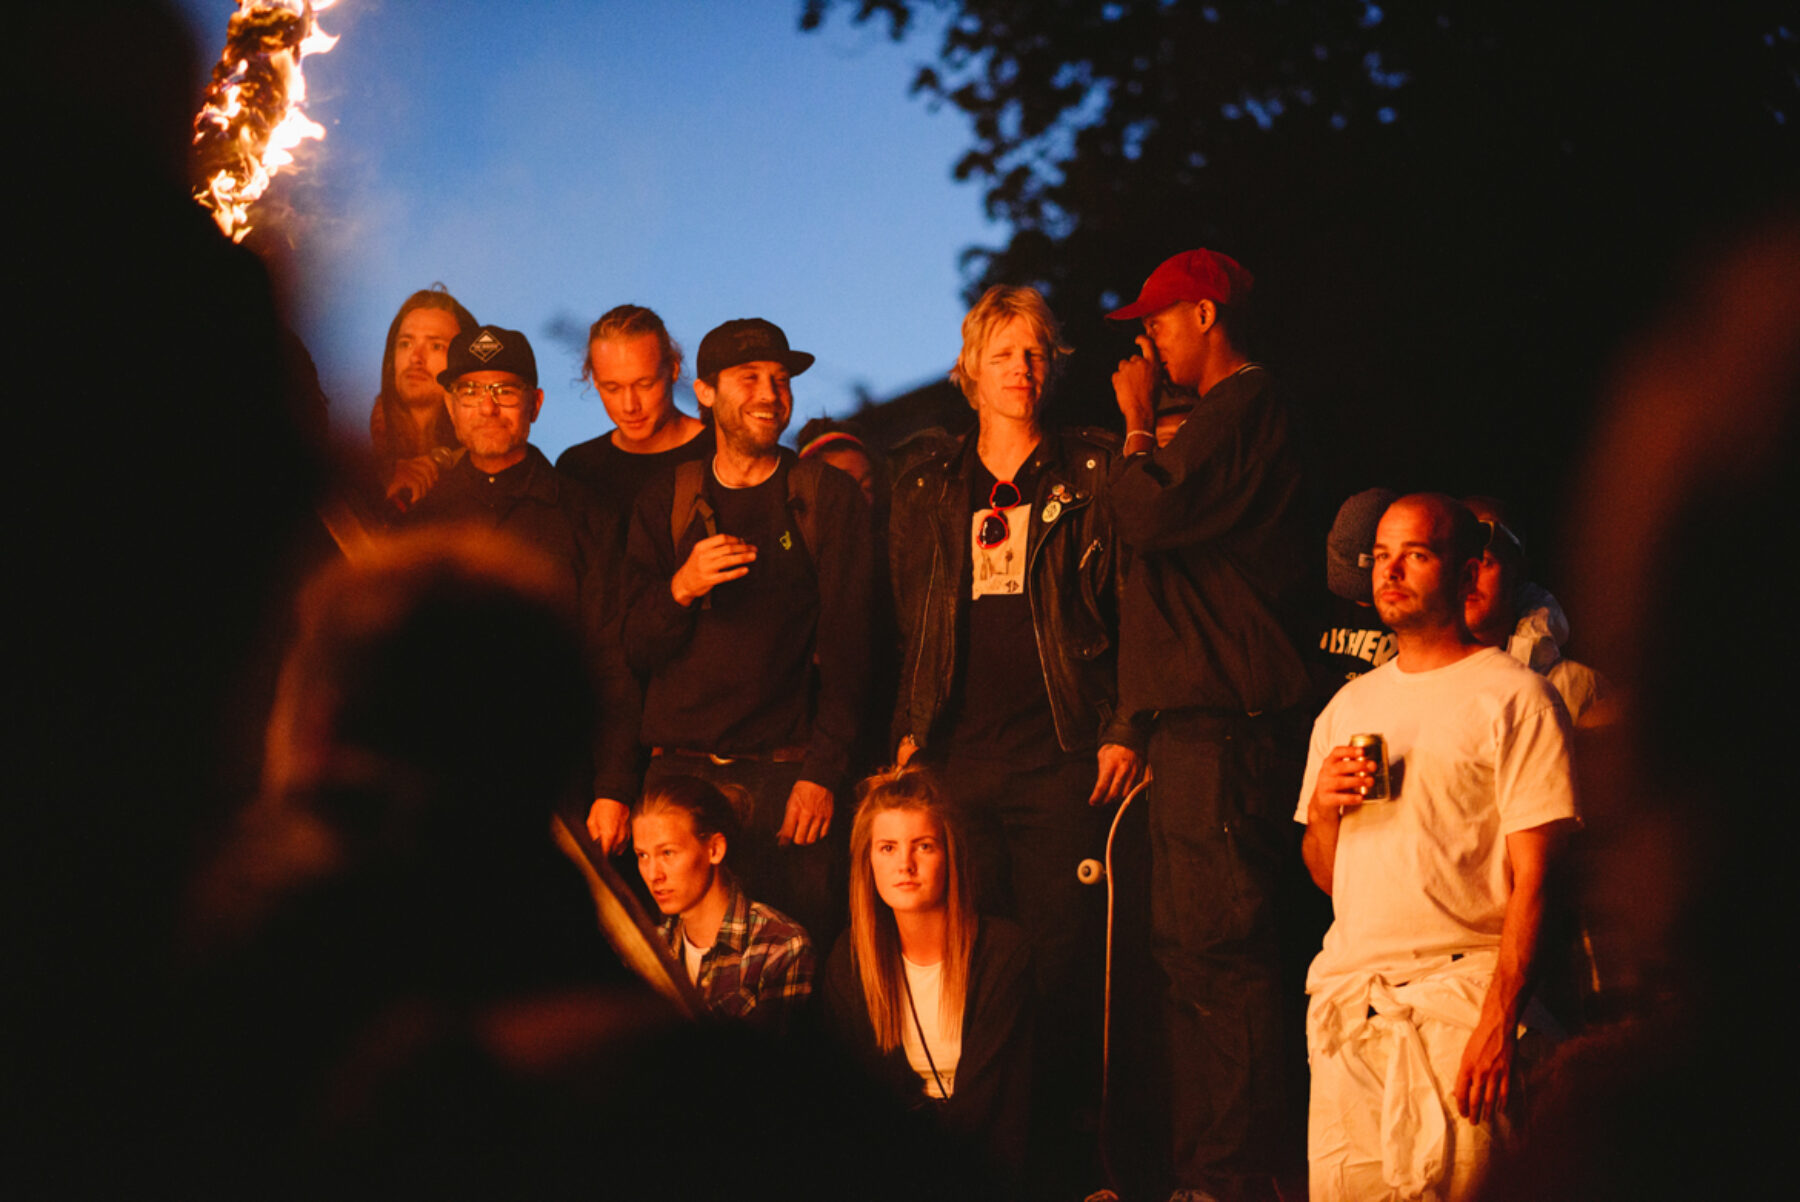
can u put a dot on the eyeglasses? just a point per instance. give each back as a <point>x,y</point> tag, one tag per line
<point>506,396</point>
<point>994,530</point>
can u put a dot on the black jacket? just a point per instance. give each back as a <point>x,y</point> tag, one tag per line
<point>1071,582</point>
<point>533,502</point>
<point>990,1103</point>
<point>728,704</point>
<point>1216,558</point>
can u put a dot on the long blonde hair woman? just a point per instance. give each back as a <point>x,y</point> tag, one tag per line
<point>933,997</point>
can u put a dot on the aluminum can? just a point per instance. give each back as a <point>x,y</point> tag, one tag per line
<point>1374,747</point>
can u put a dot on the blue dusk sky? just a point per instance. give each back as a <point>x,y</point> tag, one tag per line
<point>548,159</point>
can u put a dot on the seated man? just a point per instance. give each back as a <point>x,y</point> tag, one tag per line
<point>746,960</point>
<point>1437,881</point>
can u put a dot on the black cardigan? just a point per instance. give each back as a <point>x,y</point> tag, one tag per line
<point>991,1101</point>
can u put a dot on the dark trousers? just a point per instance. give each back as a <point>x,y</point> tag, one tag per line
<point>1220,807</point>
<point>1028,832</point>
<point>805,883</point>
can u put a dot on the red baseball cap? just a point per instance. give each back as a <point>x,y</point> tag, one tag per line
<point>1192,275</point>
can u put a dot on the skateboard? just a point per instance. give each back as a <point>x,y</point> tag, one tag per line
<point>624,921</point>
<point>1129,1001</point>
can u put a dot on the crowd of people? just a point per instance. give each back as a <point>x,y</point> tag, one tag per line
<point>374,976</point>
<point>1041,620</point>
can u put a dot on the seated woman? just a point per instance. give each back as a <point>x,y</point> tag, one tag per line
<point>747,961</point>
<point>934,998</point>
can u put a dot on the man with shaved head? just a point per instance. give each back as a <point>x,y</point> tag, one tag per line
<point>1437,884</point>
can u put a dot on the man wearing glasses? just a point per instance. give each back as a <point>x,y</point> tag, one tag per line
<point>506,485</point>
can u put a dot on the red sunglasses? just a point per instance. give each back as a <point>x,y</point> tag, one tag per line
<point>994,529</point>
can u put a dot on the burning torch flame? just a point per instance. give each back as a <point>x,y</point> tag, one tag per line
<point>251,121</point>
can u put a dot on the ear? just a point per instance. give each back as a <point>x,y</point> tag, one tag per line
<point>537,403</point>
<point>1206,314</point>
<point>703,393</point>
<point>715,849</point>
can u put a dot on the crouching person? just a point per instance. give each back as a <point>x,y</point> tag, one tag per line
<point>746,960</point>
<point>935,999</point>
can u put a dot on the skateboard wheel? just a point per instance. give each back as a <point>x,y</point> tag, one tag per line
<point>1090,872</point>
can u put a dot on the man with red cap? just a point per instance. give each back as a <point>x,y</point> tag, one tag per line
<point>1205,499</point>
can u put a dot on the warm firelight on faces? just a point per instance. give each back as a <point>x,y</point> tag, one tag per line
<point>635,385</point>
<point>421,350</point>
<point>495,434</point>
<point>1414,589</point>
<point>1010,373</point>
<point>679,867</point>
<point>906,853</point>
<point>751,405</point>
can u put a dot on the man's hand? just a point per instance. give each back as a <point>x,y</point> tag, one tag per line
<point>1135,384</point>
<point>1486,1067</point>
<point>905,752</point>
<point>1119,769</point>
<point>1344,778</point>
<point>413,478</point>
<point>609,824</point>
<point>808,814</point>
<point>712,562</point>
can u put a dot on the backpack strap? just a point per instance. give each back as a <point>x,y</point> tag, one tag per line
<point>690,502</point>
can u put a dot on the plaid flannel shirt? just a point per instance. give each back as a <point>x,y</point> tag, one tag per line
<point>759,968</point>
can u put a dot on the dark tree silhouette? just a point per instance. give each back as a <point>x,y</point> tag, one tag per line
<point>1454,211</point>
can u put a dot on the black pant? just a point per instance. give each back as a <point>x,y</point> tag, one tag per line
<point>1220,807</point>
<point>1029,831</point>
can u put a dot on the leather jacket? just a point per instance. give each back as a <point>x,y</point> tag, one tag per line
<point>1071,580</point>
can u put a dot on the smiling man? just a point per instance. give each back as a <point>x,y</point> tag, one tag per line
<point>749,581</point>
<point>503,483</point>
<point>1437,888</point>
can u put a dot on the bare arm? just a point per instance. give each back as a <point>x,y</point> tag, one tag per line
<point>1343,779</point>
<point>1481,1081</point>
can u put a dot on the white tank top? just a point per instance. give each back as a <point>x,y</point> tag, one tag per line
<point>944,1040</point>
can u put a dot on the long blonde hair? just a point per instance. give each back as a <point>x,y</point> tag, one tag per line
<point>874,937</point>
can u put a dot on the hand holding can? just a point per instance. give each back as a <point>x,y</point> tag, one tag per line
<point>1374,749</point>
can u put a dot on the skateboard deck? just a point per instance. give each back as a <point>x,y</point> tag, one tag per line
<point>1128,1137</point>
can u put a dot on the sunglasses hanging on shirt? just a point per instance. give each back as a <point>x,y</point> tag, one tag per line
<point>994,530</point>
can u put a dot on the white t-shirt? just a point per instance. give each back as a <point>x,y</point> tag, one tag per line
<point>692,954</point>
<point>1477,750</point>
<point>945,1040</point>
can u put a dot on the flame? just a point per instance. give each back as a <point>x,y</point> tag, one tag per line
<point>252,121</point>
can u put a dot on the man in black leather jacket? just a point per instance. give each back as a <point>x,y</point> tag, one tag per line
<point>1004,570</point>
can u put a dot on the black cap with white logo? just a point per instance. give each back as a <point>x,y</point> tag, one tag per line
<point>489,348</point>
